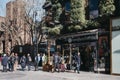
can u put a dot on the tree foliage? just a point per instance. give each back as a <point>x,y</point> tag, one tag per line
<point>53,9</point>
<point>78,13</point>
<point>74,20</point>
<point>106,7</point>
<point>117,7</point>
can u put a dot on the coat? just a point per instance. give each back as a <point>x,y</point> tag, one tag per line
<point>23,62</point>
<point>56,59</point>
<point>4,60</point>
<point>77,60</point>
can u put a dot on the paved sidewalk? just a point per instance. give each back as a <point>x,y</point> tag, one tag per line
<point>41,75</point>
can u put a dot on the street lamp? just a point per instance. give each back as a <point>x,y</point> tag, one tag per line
<point>70,61</point>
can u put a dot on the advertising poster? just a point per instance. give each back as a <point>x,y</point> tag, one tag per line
<point>103,43</point>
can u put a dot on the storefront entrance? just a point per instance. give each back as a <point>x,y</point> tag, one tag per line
<point>93,47</point>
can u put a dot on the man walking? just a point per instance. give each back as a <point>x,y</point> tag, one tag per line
<point>77,62</point>
<point>4,62</point>
<point>12,61</point>
<point>56,61</point>
<point>23,62</point>
<point>37,61</point>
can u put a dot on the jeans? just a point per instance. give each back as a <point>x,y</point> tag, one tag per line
<point>36,66</point>
<point>4,68</point>
<point>29,65</point>
<point>77,68</point>
<point>56,65</point>
<point>9,66</point>
<point>12,66</point>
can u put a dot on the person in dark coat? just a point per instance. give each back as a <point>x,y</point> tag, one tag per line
<point>23,62</point>
<point>9,62</point>
<point>37,61</point>
<point>12,61</point>
<point>77,62</point>
<point>4,62</point>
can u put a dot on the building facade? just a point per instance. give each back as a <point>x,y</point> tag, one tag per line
<point>2,20</point>
<point>20,24</point>
<point>17,31</point>
<point>92,42</point>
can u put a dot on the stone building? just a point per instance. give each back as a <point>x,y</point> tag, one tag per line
<point>2,20</point>
<point>17,30</point>
<point>18,24</point>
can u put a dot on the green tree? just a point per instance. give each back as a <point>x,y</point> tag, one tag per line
<point>52,18</point>
<point>106,7</point>
<point>77,14</point>
<point>117,6</point>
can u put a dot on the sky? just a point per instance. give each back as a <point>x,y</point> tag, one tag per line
<point>3,7</point>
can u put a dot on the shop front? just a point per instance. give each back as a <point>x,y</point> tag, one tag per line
<point>93,46</point>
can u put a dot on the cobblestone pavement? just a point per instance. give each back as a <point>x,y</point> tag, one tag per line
<point>41,75</point>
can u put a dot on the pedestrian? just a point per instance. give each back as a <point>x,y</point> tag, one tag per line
<point>29,61</point>
<point>62,65</point>
<point>4,62</point>
<point>23,62</point>
<point>37,61</point>
<point>56,62</point>
<point>12,61</point>
<point>16,61</point>
<point>9,62</point>
<point>77,62</point>
<point>44,59</point>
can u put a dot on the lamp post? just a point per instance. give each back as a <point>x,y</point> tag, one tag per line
<point>70,61</point>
